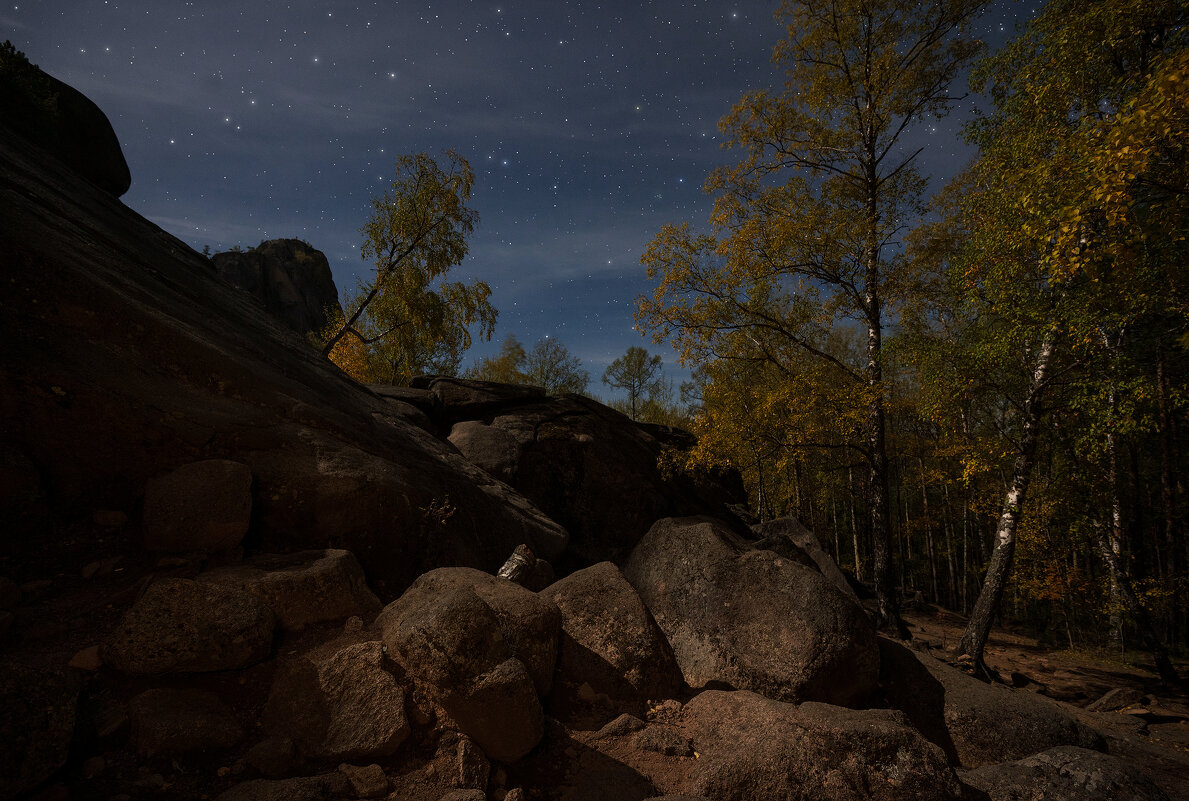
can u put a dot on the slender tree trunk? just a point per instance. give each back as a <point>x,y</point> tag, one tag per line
<point>1138,612</point>
<point>1166,422</point>
<point>966,552</point>
<point>948,522</point>
<point>1115,541</point>
<point>928,532</point>
<point>834,525</point>
<point>978,628</point>
<point>887,597</point>
<point>854,525</point>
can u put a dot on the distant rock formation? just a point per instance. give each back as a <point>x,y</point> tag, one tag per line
<point>61,120</point>
<point>288,276</point>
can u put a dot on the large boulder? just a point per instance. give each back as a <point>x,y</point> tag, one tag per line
<point>38,709</point>
<point>303,588</point>
<point>588,467</point>
<point>57,117</point>
<point>752,619</point>
<point>1064,773</point>
<point>977,723</point>
<point>183,626</point>
<point>290,277</point>
<point>611,652</point>
<point>338,702</point>
<point>751,747</point>
<point>451,643</point>
<point>125,357</point>
<point>201,506</point>
<point>528,623</point>
<point>789,530</point>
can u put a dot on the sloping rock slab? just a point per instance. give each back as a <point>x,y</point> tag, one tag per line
<point>981,723</point>
<point>126,356</point>
<point>183,626</point>
<point>38,709</point>
<point>610,645</point>
<point>339,702</point>
<point>588,467</point>
<point>751,747</point>
<point>303,588</point>
<point>451,643</point>
<point>1064,773</point>
<point>750,618</point>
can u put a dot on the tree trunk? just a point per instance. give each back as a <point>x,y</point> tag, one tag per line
<point>978,628</point>
<point>887,597</point>
<point>1137,610</point>
<point>854,525</point>
<point>1176,562</point>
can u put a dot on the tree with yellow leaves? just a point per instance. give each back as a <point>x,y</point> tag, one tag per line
<point>1065,241</point>
<point>808,223</point>
<point>405,318</point>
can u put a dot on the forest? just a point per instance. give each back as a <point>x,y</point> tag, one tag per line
<point>975,395</point>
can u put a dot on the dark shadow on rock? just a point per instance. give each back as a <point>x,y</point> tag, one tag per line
<point>973,793</point>
<point>905,684</point>
<point>582,706</point>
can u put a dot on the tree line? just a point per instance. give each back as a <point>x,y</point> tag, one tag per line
<point>978,396</point>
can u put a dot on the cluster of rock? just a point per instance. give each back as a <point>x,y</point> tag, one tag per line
<point>273,583</point>
<point>631,683</point>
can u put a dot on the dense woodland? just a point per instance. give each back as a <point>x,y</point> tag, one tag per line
<point>976,397</point>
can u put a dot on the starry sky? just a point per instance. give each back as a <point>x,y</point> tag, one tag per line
<point>589,125</point>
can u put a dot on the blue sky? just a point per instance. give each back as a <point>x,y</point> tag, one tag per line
<point>589,125</point>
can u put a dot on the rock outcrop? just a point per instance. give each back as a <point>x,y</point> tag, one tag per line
<point>586,466</point>
<point>338,702</point>
<point>754,747</point>
<point>64,122</point>
<point>169,721</point>
<point>125,358</point>
<point>203,519</point>
<point>201,506</point>
<point>751,619</point>
<point>290,277</point>
<point>38,712</point>
<point>778,535</point>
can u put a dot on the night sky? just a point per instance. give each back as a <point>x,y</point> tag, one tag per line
<point>589,125</point>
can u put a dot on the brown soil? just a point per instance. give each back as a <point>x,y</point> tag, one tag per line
<point>1153,733</point>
